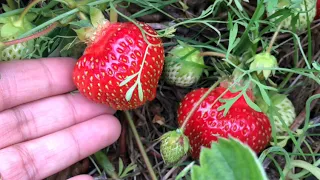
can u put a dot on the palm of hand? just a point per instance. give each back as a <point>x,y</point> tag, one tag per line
<point>43,128</point>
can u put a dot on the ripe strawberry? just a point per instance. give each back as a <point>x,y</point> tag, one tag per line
<point>208,123</point>
<point>300,8</point>
<point>183,66</point>
<point>119,67</point>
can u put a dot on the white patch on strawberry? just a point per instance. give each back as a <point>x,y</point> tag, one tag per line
<point>287,113</point>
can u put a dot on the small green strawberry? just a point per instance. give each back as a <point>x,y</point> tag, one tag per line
<point>11,28</point>
<point>174,145</point>
<point>284,110</point>
<point>16,51</point>
<point>183,66</point>
<point>264,60</point>
<point>300,9</point>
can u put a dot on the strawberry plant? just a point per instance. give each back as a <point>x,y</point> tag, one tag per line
<point>247,72</point>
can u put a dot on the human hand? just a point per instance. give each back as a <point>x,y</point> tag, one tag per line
<point>43,128</point>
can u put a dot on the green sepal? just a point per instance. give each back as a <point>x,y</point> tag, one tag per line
<point>8,30</point>
<point>96,17</point>
<point>84,34</point>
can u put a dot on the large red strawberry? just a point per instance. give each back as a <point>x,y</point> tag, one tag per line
<point>120,67</point>
<point>208,123</point>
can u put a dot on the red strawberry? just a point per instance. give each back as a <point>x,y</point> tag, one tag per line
<point>119,67</point>
<point>207,123</point>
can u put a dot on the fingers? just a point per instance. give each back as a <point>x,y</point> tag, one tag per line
<point>81,177</point>
<point>46,116</point>
<point>25,81</point>
<point>39,158</point>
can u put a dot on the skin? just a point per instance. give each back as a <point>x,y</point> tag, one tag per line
<point>43,127</point>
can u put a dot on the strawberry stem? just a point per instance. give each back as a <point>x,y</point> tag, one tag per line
<point>140,146</point>
<point>199,102</point>
<point>113,14</point>
<point>274,37</point>
<point>41,33</point>
<point>211,53</point>
<point>25,11</point>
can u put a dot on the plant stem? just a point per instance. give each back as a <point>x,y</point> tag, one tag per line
<point>71,3</point>
<point>274,37</point>
<point>141,148</point>
<point>41,33</point>
<point>211,53</point>
<point>11,4</point>
<point>82,16</point>
<point>25,11</point>
<point>113,15</point>
<point>199,102</point>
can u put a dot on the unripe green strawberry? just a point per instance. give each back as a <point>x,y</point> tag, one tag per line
<point>16,51</point>
<point>264,60</point>
<point>174,145</point>
<point>183,66</point>
<point>11,28</point>
<point>300,8</point>
<point>284,110</point>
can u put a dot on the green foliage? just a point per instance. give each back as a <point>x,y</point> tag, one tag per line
<point>227,159</point>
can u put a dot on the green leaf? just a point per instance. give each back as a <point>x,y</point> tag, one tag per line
<point>120,166</point>
<point>264,95</point>
<point>130,92</point>
<point>81,23</point>
<point>8,30</point>
<point>185,171</point>
<point>316,65</point>
<point>96,16</point>
<point>129,168</point>
<point>250,103</point>
<point>104,162</point>
<point>6,8</point>
<point>4,20</point>
<point>140,91</point>
<point>228,159</point>
<point>228,103</point>
<point>129,78</point>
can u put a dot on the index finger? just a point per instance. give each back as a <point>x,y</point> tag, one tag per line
<point>29,80</point>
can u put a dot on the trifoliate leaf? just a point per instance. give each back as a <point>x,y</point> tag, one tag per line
<point>228,159</point>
